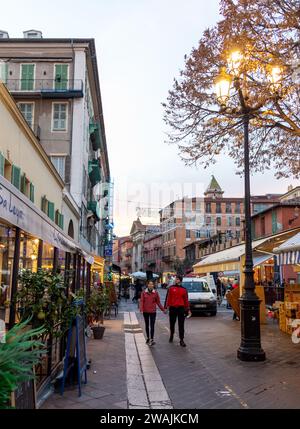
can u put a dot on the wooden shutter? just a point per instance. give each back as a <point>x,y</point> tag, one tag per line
<point>16,176</point>
<point>31,192</point>
<point>51,210</point>
<point>2,163</point>
<point>61,221</point>
<point>27,77</point>
<point>61,76</point>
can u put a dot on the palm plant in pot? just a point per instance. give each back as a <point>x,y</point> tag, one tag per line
<point>97,304</point>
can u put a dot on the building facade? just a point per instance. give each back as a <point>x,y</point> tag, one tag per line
<point>153,253</point>
<point>56,86</point>
<point>195,227</point>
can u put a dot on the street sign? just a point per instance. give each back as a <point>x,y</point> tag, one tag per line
<point>108,251</point>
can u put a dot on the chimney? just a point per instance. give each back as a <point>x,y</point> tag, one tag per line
<point>290,188</point>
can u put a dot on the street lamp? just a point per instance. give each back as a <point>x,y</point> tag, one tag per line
<point>250,348</point>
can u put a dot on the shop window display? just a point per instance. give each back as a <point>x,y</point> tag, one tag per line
<point>28,252</point>
<point>47,259</point>
<point>7,240</point>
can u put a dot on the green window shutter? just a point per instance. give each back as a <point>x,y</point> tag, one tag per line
<point>61,76</point>
<point>2,163</point>
<point>16,176</point>
<point>51,210</point>
<point>31,193</point>
<point>27,77</point>
<point>62,221</point>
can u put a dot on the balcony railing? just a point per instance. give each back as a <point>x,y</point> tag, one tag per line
<point>46,87</point>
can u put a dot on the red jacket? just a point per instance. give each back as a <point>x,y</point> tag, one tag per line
<point>177,297</point>
<point>149,301</point>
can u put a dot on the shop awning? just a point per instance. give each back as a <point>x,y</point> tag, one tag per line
<point>260,258</point>
<point>289,251</point>
<point>233,254</point>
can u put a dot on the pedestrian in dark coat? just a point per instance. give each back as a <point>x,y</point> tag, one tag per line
<point>148,303</point>
<point>178,304</point>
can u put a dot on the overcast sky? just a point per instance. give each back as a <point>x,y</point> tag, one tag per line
<point>140,46</point>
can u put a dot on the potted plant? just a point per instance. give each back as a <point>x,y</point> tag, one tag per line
<point>97,305</point>
<point>20,351</point>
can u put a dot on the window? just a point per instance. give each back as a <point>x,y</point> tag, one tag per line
<point>59,119</point>
<point>228,207</point>
<point>218,208</point>
<point>208,208</point>
<point>198,234</point>
<point>229,221</point>
<point>263,225</point>
<point>238,207</point>
<point>25,185</point>
<point>27,110</point>
<point>27,77</point>
<point>208,220</point>
<point>219,221</point>
<point>187,233</point>
<point>61,76</point>
<point>274,222</point>
<point>16,176</point>
<point>59,163</point>
<point>238,221</point>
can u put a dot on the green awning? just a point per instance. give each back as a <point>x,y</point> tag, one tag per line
<point>95,136</point>
<point>94,207</point>
<point>94,172</point>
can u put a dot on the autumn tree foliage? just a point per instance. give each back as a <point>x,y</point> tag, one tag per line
<point>267,32</point>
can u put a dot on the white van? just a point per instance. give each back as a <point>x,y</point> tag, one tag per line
<point>202,296</point>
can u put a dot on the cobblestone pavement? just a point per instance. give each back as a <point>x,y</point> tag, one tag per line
<point>205,374</point>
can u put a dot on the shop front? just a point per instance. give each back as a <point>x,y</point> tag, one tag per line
<point>29,240</point>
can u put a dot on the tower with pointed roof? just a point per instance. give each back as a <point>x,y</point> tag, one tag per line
<point>214,190</point>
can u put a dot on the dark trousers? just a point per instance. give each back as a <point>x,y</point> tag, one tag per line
<point>175,312</point>
<point>150,320</point>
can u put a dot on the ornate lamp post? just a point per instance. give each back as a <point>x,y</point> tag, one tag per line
<point>250,348</point>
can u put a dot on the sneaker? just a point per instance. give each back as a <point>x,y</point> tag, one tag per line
<point>171,339</point>
<point>152,342</point>
<point>148,341</point>
<point>182,343</point>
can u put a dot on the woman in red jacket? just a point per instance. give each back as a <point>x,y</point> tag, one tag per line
<point>148,303</point>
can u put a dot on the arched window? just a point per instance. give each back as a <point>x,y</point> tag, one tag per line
<point>71,229</point>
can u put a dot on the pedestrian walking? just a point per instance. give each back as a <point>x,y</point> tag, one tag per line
<point>235,285</point>
<point>178,304</point>
<point>149,301</point>
<point>137,291</point>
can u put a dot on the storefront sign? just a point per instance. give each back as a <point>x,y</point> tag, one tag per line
<point>17,211</point>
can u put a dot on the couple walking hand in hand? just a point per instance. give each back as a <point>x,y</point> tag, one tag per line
<point>176,302</point>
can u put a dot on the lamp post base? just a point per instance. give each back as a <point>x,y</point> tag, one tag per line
<point>250,349</point>
<point>247,355</point>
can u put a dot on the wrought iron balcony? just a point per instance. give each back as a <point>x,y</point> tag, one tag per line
<point>46,88</point>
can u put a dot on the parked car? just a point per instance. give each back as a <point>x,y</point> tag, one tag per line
<point>202,296</point>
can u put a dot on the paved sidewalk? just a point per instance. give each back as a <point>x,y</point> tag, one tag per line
<point>106,387</point>
<point>205,374</point>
